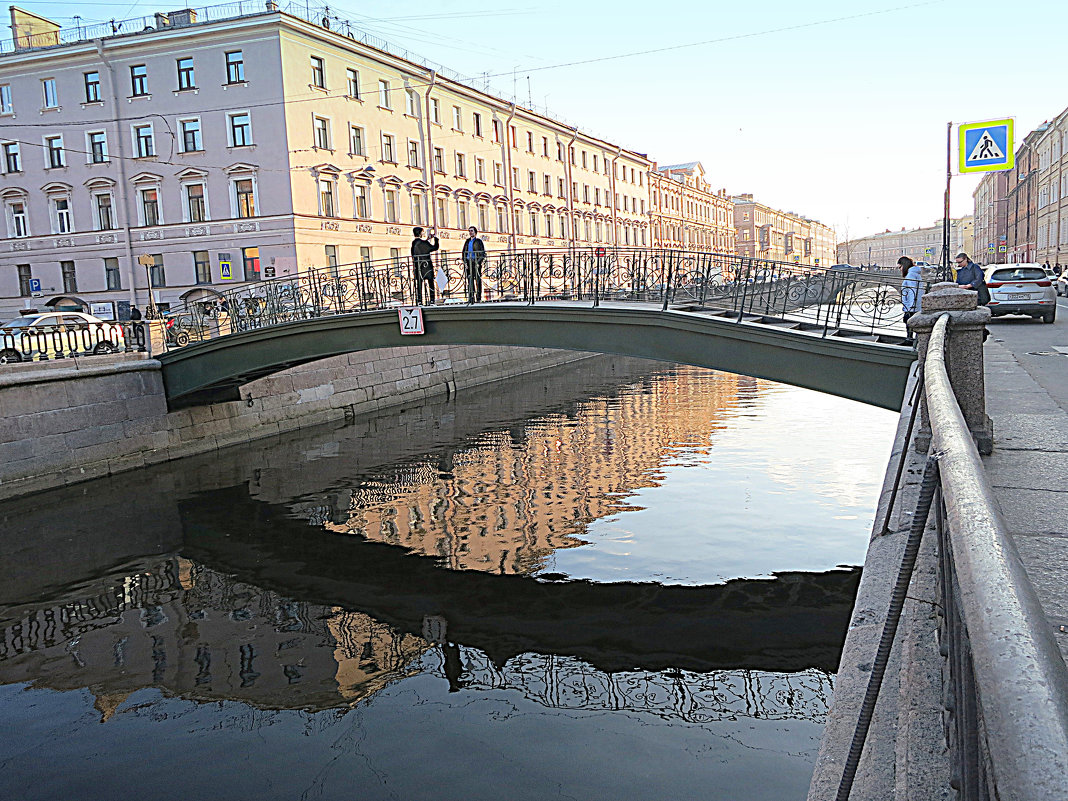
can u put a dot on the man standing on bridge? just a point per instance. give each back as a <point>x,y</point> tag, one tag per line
<point>474,257</point>
<point>422,266</point>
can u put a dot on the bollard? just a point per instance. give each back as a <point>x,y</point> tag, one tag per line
<point>964,352</point>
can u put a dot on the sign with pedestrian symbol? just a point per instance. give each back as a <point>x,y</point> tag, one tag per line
<point>986,146</point>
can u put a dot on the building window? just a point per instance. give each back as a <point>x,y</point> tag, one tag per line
<point>157,276</point>
<point>12,162</point>
<point>48,87</point>
<point>533,223</point>
<point>194,203</point>
<point>326,198</point>
<point>390,196</point>
<point>530,141</point>
<point>461,214</point>
<point>202,266</point>
<point>70,279</point>
<point>250,260</point>
<point>461,165</point>
<point>240,129</point>
<point>149,207</point>
<point>561,188</point>
<point>331,256</point>
<point>112,277</point>
<point>389,152</point>
<point>18,226</point>
<point>457,119</point>
<point>105,220</point>
<point>417,209</point>
<point>545,146</point>
<point>410,103</point>
<point>548,224</point>
<point>190,136</point>
<point>54,150</point>
<point>435,110</point>
<point>185,74</point>
<point>443,213</point>
<point>497,131</point>
<point>498,174</point>
<point>61,210</point>
<point>235,67</point>
<point>439,160</point>
<point>318,72</point>
<point>383,94</point>
<point>321,127</point>
<point>353,81</point>
<point>476,118</point>
<point>480,170</point>
<point>413,153</point>
<point>244,196</point>
<point>92,87</point>
<point>361,209</point>
<point>139,80</point>
<point>547,185</point>
<point>6,106</point>
<point>515,178</point>
<point>512,136</point>
<point>532,181</point>
<point>98,147</point>
<point>25,276</point>
<point>356,138</point>
<point>502,220</point>
<point>144,143</point>
<point>517,220</point>
<point>559,151</point>
<point>483,217</point>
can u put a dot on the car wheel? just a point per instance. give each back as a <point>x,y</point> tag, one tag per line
<point>10,356</point>
<point>103,347</point>
<point>1049,316</point>
<point>181,339</point>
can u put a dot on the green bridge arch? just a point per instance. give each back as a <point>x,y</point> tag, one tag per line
<point>850,366</point>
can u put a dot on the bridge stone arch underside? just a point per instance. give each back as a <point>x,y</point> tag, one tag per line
<point>850,367</point>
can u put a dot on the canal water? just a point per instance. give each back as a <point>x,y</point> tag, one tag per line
<point>620,579</point>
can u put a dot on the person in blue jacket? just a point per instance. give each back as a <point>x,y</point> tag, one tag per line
<point>911,286</point>
<point>970,276</point>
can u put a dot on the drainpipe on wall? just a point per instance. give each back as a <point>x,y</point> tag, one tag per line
<point>124,189</point>
<point>570,184</point>
<point>615,211</point>
<point>511,188</point>
<point>429,150</point>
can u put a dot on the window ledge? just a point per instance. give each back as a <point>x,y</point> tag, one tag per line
<point>385,108</point>
<point>132,98</point>
<point>8,114</point>
<point>226,86</point>
<point>192,90</point>
<point>46,109</point>
<point>89,103</point>
<point>232,148</point>
<point>354,99</point>
<point>320,89</point>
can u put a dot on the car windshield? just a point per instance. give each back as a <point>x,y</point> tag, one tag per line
<point>1019,274</point>
<point>21,322</point>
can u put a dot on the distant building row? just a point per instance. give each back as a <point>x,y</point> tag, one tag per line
<point>255,145</point>
<point>919,244</point>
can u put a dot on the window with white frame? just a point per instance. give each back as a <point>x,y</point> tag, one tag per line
<point>502,220</point>
<point>515,178</point>
<point>561,187</point>
<point>498,174</point>
<point>185,74</point>
<point>148,206</point>
<point>357,137</point>
<point>461,214</point>
<point>435,110</point>
<point>112,276</point>
<point>411,103</point>
<point>190,132</point>
<point>326,197</point>
<point>361,205</point>
<point>17,223</point>
<point>476,120</point>
<point>517,221</point>
<point>235,67</point>
<point>144,141</point>
<point>48,89</point>
<point>483,217</point>
<point>547,185</point>
<point>418,209</point>
<point>97,146</point>
<point>497,131</point>
<point>243,196</point>
<point>321,131</point>
<point>480,170</point>
<point>439,160</point>
<point>384,100</point>
<point>318,72</point>
<point>532,181</point>
<point>413,153</point>
<point>442,212</point>
<point>6,104</point>
<point>389,148</point>
<point>196,203</point>
<point>240,129</point>
<point>548,224</point>
<point>389,197</point>
<point>92,86</point>
<point>457,119</point>
<point>54,156</point>
<point>352,79</point>
<point>138,80</point>
<point>533,223</point>
<point>103,211</point>
<point>461,165</point>
<point>62,222</point>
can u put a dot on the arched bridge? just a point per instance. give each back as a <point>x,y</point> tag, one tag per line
<point>834,331</point>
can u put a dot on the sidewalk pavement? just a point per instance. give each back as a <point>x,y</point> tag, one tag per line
<point>1027,398</point>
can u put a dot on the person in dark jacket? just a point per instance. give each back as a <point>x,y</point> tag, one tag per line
<point>970,276</point>
<point>423,266</point>
<point>474,254</point>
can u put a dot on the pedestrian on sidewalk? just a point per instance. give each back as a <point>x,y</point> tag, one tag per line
<point>970,276</point>
<point>474,257</point>
<point>911,286</point>
<point>422,266</point>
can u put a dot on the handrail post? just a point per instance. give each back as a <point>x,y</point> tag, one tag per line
<point>965,358</point>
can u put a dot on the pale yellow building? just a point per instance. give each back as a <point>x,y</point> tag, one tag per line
<point>765,233</point>
<point>685,213</point>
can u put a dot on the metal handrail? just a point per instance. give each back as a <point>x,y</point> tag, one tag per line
<point>1007,693</point>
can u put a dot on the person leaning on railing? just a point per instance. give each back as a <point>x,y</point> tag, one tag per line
<point>911,286</point>
<point>970,276</point>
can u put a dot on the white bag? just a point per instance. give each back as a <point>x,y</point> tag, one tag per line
<point>441,279</point>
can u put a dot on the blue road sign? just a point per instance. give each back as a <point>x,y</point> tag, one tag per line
<point>35,285</point>
<point>986,146</point>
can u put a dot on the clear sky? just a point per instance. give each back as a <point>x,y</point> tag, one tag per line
<point>836,109</point>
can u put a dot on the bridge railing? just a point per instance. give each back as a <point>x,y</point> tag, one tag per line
<point>827,299</point>
<point>1006,687</point>
<point>55,342</point>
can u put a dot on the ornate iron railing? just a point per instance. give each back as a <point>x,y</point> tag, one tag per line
<point>1006,687</point>
<point>866,303</point>
<point>55,342</point>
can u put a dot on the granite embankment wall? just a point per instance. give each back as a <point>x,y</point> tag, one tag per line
<point>79,419</point>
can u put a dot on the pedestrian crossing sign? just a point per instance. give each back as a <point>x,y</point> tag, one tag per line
<point>986,146</point>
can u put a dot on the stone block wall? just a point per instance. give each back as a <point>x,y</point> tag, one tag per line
<point>77,419</point>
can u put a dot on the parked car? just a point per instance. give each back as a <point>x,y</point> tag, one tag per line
<point>1021,289</point>
<point>1062,283</point>
<point>50,334</point>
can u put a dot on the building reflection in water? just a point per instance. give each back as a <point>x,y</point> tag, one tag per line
<point>198,634</point>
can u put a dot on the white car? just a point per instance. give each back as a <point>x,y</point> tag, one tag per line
<point>1021,289</point>
<point>1062,283</point>
<point>58,334</point>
